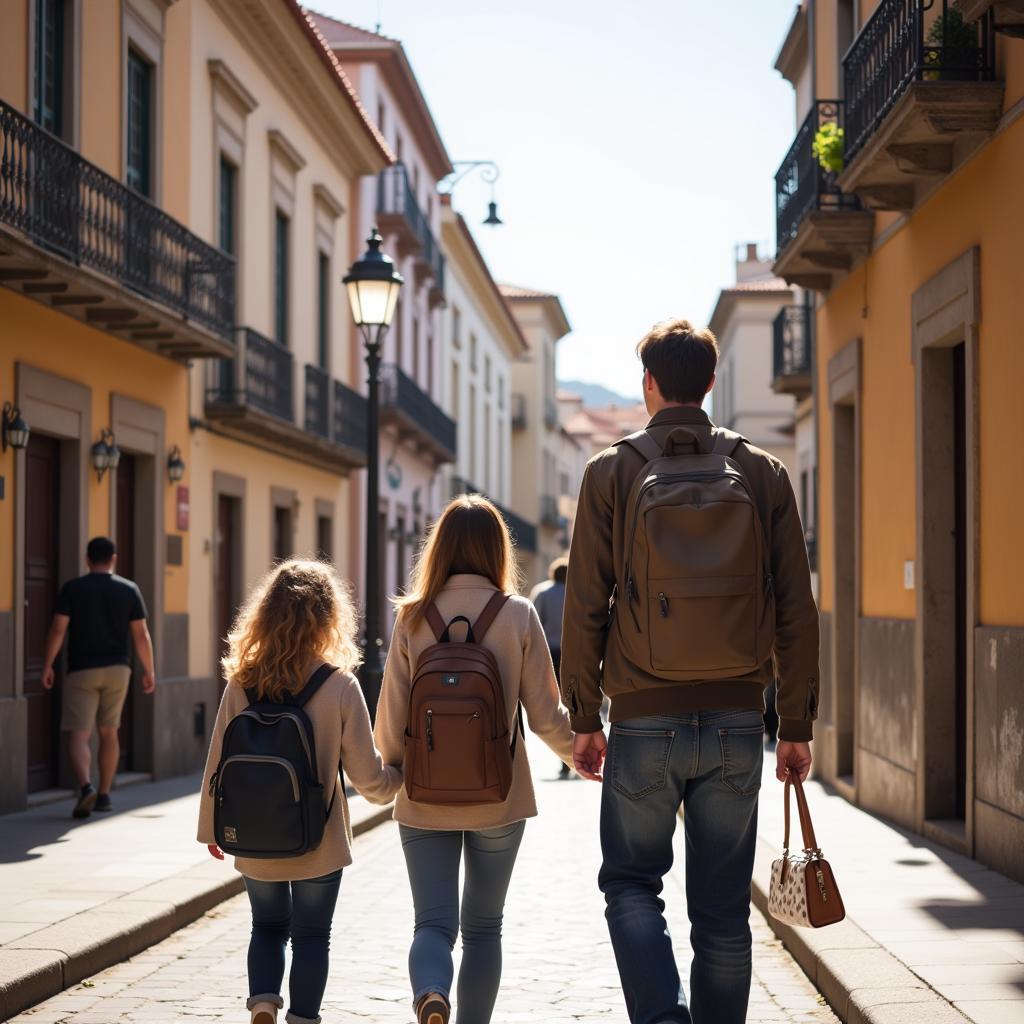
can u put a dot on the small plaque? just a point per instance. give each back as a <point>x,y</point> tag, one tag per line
<point>175,549</point>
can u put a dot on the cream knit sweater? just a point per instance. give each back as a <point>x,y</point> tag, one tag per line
<point>517,641</point>
<point>341,730</point>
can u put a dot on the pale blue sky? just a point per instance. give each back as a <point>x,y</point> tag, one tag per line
<point>637,144</point>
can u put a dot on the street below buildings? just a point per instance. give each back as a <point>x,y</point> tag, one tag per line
<point>558,961</point>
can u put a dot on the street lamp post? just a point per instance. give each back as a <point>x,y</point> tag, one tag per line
<point>373,284</point>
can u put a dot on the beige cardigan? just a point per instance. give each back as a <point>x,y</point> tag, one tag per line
<point>517,641</point>
<point>341,731</point>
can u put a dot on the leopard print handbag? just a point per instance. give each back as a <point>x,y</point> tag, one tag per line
<point>803,890</point>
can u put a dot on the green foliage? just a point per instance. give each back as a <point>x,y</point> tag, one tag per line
<point>959,52</point>
<point>828,146</point>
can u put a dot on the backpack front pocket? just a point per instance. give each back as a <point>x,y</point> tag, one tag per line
<point>705,623</point>
<point>456,734</point>
<point>259,808</point>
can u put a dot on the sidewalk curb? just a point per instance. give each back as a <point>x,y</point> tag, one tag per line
<point>47,961</point>
<point>862,982</point>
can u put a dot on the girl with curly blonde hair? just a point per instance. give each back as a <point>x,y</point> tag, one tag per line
<point>297,619</point>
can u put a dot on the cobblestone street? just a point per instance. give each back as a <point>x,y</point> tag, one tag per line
<point>558,960</point>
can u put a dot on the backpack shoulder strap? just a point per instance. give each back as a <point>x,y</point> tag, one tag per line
<point>487,616</point>
<point>726,441</point>
<point>316,680</point>
<point>435,620</point>
<point>643,443</point>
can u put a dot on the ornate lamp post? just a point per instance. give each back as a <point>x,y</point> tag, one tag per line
<point>373,285</point>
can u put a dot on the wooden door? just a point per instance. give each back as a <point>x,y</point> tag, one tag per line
<point>42,504</point>
<point>125,541</point>
<point>960,542</point>
<point>227,569</point>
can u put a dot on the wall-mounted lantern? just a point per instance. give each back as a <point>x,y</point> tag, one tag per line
<point>15,430</point>
<point>175,465</point>
<point>104,453</point>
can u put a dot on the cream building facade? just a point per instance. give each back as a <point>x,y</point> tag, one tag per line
<point>536,427</point>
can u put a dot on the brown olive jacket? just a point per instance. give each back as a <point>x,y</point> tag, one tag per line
<point>592,659</point>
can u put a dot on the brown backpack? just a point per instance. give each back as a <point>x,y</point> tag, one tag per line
<point>457,748</point>
<point>695,601</point>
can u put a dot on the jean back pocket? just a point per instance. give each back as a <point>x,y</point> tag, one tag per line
<point>639,760</point>
<point>742,758</point>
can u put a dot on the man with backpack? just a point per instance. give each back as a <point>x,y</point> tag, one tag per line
<point>688,587</point>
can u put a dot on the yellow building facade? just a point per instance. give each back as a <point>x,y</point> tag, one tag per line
<point>911,245</point>
<point>177,181</point>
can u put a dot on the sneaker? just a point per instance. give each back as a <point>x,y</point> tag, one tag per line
<point>103,803</point>
<point>86,802</point>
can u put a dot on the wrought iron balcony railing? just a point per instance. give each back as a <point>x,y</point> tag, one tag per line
<point>802,185</point>
<point>349,418</point>
<point>893,50</point>
<point>70,207</point>
<point>396,199</point>
<point>792,350</point>
<point>402,400</point>
<point>524,533</point>
<point>265,381</point>
<point>318,405</point>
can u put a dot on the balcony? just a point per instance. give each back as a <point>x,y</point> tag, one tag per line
<point>251,398</point>
<point>524,533</point>
<point>405,406</point>
<point>920,100</point>
<point>76,239</point>
<point>549,511</point>
<point>792,352</point>
<point>1007,15</point>
<point>518,412</point>
<point>820,229</point>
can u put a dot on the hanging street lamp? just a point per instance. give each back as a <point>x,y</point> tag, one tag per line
<point>373,285</point>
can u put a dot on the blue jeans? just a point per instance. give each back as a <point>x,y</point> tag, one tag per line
<point>303,911</point>
<point>710,762</point>
<point>433,860</point>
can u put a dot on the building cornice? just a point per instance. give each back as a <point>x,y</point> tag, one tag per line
<point>792,55</point>
<point>229,83</point>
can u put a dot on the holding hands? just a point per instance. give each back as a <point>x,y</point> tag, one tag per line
<point>588,752</point>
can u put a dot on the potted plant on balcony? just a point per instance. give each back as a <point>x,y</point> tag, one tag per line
<point>828,146</point>
<point>951,46</point>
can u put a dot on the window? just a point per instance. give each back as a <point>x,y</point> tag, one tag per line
<point>280,278</point>
<point>228,212</point>
<point>455,401</point>
<point>282,532</point>
<point>456,327</point>
<point>488,483</point>
<point>324,536</point>
<point>398,148</point>
<point>430,364</point>
<point>50,67</point>
<point>487,373</point>
<point>140,124</point>
<point>416,350</point>
<point>471,428</point>
<point>323,305</point>
<point>472,352</point>
<point>380,116</point>
<point>501,392</point>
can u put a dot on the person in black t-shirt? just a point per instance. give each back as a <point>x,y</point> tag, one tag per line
<point>105,615</point>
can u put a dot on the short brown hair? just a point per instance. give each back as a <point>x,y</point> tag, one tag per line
<point>681,359</point>
<point>559,569</point>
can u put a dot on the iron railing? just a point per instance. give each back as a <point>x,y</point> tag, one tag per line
<point>549,510</point>
<point>524,533</point>
<point>895,47</point>
<point>395,196</point>
<point>349,418</point>
<point>71,207</point>
<point>791,356</point>
<point>801,183</point>
<point>401,393</point>
<point>318,384</point>
<point>266,377</point>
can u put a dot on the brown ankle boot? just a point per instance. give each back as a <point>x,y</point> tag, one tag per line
<point>433,1009</point>
<point>263,1013</point>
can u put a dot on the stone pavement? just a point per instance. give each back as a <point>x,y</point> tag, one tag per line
<point>77,896</point>
<point>930,935</point>
<point>558,960</point>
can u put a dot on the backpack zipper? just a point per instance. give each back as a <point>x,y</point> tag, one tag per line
<point>292,717</point>
<point>664,605</point>
<point>261,759</point>
<point>430,729</point>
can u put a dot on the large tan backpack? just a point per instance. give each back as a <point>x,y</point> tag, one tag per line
<point>457,744</point>
<point>695,601</point>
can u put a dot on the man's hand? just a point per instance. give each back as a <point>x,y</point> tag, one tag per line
<point>148,682</point>
<point>48,678</point>
<point>588,750</point>
<point>215,851</point>
<point>792,757</point>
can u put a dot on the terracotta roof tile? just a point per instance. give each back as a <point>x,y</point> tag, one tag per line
<point>513,291</point>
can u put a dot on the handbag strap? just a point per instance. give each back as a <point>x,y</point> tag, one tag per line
<point>806,827</point>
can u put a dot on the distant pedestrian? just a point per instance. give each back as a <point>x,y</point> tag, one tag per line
<point>548,598</point>
<point>105,616</point>
<point>296,631</point>
<point>694,536</point>
<point>458,762</point>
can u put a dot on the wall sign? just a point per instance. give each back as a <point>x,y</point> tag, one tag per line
<point>182,508</point>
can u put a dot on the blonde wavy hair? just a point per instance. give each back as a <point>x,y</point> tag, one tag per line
<point>299,611</point>
<point>470,536</point>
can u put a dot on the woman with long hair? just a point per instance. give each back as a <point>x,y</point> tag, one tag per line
<point>298,623</point>
<point>466,559</point>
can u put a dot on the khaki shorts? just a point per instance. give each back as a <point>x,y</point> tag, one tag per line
<point>94,696</point>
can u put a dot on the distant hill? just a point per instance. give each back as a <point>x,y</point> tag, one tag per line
<point>596,395</point>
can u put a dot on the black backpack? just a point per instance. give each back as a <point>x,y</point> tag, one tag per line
<point>268,801</point>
